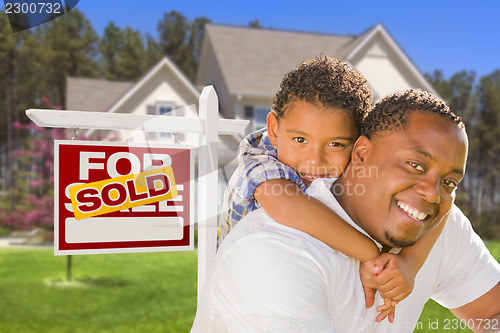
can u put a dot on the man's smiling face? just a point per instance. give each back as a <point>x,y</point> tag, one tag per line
<point>418,169</point>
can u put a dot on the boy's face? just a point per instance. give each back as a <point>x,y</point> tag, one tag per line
<point>315,141</point>
<point>411,181</point>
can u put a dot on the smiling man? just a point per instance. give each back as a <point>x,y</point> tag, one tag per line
<point>420,158</point>
<point>271,278</point>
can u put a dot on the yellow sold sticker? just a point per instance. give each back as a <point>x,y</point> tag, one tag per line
<point>114,194</point>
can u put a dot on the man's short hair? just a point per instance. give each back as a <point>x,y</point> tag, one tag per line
<point>390,113</point>
<point>329,81</point>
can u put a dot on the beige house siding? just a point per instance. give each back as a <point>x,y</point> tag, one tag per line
<point>386,66</point>
<point>380,68</point>
<point>162,87</point>
<point>158,88</point>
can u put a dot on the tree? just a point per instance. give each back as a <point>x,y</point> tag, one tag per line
<point>255,24</point>
<point>69,46</point>
<point>440,84</point>
<point>195,41</point>
<point>152,53</point>
<point>109,47</point>
<point>131,60</point>
<point>459,93</point>
<point>20,75</point>
<point>36,63</point>
<point>479,105</point>
<point>7,77</point>
<point>123,53</point>
<point>181,40</point>
<point>488,130</point>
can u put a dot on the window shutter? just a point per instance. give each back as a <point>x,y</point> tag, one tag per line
<point>248,112</point>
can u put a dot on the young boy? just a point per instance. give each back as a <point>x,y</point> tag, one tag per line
<point>310,133</point>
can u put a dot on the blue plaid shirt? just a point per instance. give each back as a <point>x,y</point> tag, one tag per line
<point>257,163</point>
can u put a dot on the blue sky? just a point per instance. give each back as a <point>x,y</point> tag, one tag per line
<point>440,34</point>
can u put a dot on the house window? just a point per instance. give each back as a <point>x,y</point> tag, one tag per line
<point>165,109</point>
<point>258,115</point>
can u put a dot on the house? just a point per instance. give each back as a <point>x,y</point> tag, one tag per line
<point>246,65</point>
<point>163,91</point>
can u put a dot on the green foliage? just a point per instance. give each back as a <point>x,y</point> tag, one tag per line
<point>494,248</point>
<point>37,62</point>
<point>4,231</point>
<point>33,193</point>
<point>18,82</point>
<point>255,24</point>
<point>124,54</point>
<point>478,102</point>
<point>69,48</point>
<point>152,52</point>
<point>181,40</point>
<point>109,47</point>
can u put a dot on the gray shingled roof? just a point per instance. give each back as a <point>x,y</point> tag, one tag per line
<point>93,94</point>
<point>250,72</point>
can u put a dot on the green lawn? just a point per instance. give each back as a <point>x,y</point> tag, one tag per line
<point>140,292</point>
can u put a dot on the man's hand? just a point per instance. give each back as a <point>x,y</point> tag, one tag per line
<point>367,271</point>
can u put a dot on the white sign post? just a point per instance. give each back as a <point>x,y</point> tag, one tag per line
<point>208,124</point>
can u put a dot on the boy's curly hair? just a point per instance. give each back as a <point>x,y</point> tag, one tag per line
<point>390,113</point>
<point>329,81</point>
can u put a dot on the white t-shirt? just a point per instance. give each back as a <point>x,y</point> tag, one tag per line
<point>270,278</point>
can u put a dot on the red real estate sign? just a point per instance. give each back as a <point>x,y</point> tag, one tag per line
<point>139,198</point>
